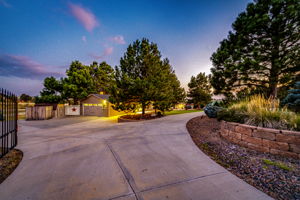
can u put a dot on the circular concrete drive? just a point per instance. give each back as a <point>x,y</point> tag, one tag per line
<point>96,158</point>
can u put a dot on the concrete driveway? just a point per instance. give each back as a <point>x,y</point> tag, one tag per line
<point>101,159</point>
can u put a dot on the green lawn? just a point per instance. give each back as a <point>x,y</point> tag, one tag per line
<point>176,112</point>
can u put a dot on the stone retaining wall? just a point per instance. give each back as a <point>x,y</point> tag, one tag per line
<point>274,141</point>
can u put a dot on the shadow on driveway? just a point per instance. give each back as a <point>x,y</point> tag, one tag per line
<point>54,123</point>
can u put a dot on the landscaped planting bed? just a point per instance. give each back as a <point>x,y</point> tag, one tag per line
<point>137,117</point>
<point>9,163</point>
<point>276,175</point>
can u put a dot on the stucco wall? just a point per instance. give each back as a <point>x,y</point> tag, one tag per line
<point>280,142</point>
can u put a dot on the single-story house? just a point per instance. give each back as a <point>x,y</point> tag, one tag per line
<point>98,105</point>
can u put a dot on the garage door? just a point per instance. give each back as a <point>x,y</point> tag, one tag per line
<point>94,110</point>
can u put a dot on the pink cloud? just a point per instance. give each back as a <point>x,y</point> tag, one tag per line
<point>84,16</point>
<point>119,39</point>
<point>24,67</point>
<point>107,51</point>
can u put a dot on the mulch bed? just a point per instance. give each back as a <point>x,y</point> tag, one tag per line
<point>9,163</point>
<point>277,176</point>
<point>141,117</point>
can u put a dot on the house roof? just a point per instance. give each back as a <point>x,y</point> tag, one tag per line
<point>100,96</point>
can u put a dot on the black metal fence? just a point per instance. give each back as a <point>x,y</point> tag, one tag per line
<point>8,121</point>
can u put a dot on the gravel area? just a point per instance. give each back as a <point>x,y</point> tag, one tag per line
<point>9,163</point>
<point>277,176</point>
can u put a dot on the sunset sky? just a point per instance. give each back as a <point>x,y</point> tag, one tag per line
<point>40,38</point>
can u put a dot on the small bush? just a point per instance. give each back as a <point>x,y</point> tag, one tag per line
<point>292,100</point>
<point>231,115</point>
<point>211,110</point>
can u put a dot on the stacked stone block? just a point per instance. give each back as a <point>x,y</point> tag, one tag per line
<point>274,141</point>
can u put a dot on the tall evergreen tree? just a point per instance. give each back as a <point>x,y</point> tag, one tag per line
<point>170,92</point>
<point>199,90</point>
<point>103,76</point>
<point>262,52</point>
<point>143,78</point>
<point>51,92</point>
<point>79,82</point>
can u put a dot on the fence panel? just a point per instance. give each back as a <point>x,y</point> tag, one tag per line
<point>8,121</point>
<point>60,111</point>
<point>39,112</point>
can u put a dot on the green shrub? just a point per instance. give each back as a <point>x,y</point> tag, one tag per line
<point>211,110</point>
<point>231,115</point>
<point>292,100</point>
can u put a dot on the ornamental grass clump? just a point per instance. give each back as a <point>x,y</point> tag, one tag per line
<point>263,112</point>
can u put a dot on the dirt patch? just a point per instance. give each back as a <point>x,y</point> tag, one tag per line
<point>277,176</point>
<point>9,163</point>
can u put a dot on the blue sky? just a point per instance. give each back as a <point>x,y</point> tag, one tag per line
<point>41,38</point>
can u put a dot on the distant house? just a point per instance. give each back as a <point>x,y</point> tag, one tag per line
<point>98,105</point>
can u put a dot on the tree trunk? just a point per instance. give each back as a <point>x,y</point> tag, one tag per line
<point>143,109</point>
<point>273,89</point>
<point>275,67</point>
<point>273,81</point>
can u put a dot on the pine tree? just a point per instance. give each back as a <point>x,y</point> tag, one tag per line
<point>143,78</point>
<point>51,92</point>
<point>262,52</point>
<point>103,76</point>
<point>79,83</point>
<point>199,90</point>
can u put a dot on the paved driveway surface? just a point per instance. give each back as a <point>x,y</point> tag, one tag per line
<point>101,159</point>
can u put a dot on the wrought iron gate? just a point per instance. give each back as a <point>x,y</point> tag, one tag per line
<point>8,121</point>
